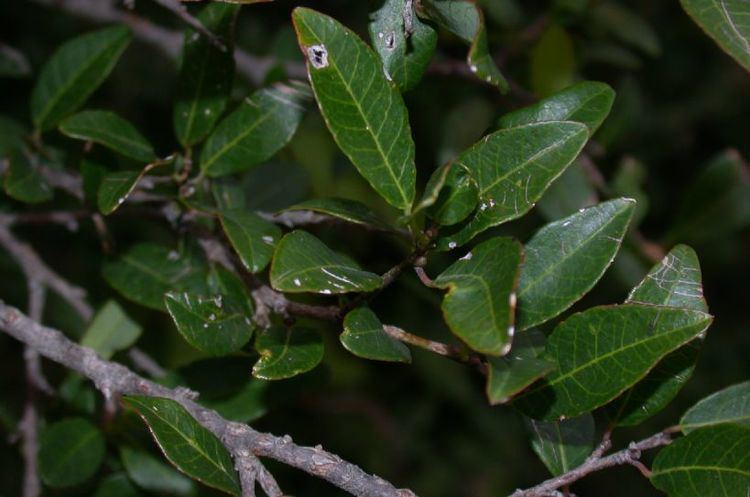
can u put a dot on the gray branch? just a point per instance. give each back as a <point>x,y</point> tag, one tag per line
<point>114,379</point>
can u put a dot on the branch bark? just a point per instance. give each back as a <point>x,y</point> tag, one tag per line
<point>115,379</point>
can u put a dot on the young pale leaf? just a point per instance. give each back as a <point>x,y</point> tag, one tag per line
<point>605,350</point>
<point>189,446</point>
<point>147,271</point>
<point>116,485</point>
<point>261,126</point>
<point>674,282</point>
<point>727,22</point>
<point>110,331</point>
<point>507,376</point>
<point>403,42</point>
<point>110,130</point>
<point>563,445</point>
<point>70,452</point>
<point>220,323</point>
<point>480,304</point>
<point>73,72</point>
<point>341,208</point>
<point>731,405</point>
<point>465,19</point>
<point>302,263</point>
<point>512,168</point>
<point>709,461</point>
<point>364,112</point>
<point>566,258</point>
<point>587,102</point>
<point>364,337</point>
<point>23,180</point>
<point>253,238</point>
<point>287,352</point>
<point>153,475</point>
<point>205,75</point>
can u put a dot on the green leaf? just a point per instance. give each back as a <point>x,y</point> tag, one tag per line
<point>507,376</point>
<point>588,102</point>
<point>364,337</point>
<point>404,43</point>
<point>709,461</point>
<point>727,22</point>
<point>553,62</point>
<point>219,323</point>
<point>13,64</point>
<point>629,26</point>
<point>116,485</point>
<point>563,445</point>
<point>74,72</point>
<point>466,20</point>
<point>253,238</point>
<point>261,126</point>
<point>512,168</point>
<point>147,271</point>
<point>23,179</point>
<point>189,446</point>
<point>458,195</point>
<point>674,282</point>
<point>605,350</point>
<point>206,75</point>
<point>110,130</point>
<point>302,263</point>
<point>287,352</point>
<point>152,475</point>
<point>115,188</point>
<point>566,258</point>
<point>70,452</point>
<point>730,405</point>
<point>364,112</point>
<point>480,304</point>
<point>110,331</point>
<point>341,208</point>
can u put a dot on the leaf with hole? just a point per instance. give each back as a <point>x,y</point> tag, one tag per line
<point>364,112</point>
<point>108,129</point>
<point>364,337</point>
<point>302,263</point>
<point>480,304</point>
<point>253,238</point>
<point>70,452</point>
<point>74,72</point>
<point>287,352</point>
<point>187,445</point>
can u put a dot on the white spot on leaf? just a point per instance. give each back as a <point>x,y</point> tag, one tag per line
<point>318,56</point>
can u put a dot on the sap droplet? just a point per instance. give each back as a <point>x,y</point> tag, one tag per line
<point>380,35</point>
<point>267,239</point>
<point>318,56</point>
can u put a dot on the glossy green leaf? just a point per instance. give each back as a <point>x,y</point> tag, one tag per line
<point>115,188</point>
<point>458,195</point>
<point>566,258</point>
<point>404,43</point>
<point>588,102</point>
<point>110,331</point>
<point>727,22</point>
<point>553,61</point>
<point>110,130</point>
<point>730,405</point>
<point>287,352</point>
<point>189,446</point>
<point>364,337</point>
<point>364,112</point>
<point>74,72</point>
<point>480,304</point>
<point>23,178</point>
<point>70,452</point>
<point>509,375</point>
<point>302,263</point>
<point>674,282</point>
<point>116,485</point>
<point>147,271</point>
<point>605,350</point>
<point>466,20</point>
<point>512,168</point>
<point>341,208</point>
<point>13,64</point>
<point>153,475</point>
<point>205,75</point>
<point>219,323</point>
<point>709,461</point>
<point>563,445</point>
<point>261,126</point>
<point>253,238</point>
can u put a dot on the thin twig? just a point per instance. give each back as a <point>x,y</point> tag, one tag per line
<point>181,11</point>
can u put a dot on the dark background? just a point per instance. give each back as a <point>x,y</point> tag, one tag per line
<point>427,426</point>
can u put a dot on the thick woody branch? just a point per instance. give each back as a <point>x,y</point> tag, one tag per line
<point>115,379</point>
